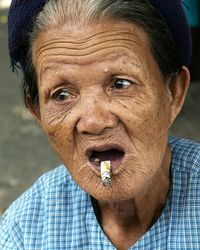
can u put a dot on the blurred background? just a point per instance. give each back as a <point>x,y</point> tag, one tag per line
<point>24,150</point>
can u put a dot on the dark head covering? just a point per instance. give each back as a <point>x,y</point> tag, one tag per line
<point>22,13</point>
<point>20,21</point>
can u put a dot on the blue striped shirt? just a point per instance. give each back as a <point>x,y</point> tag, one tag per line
<point>56,214</point>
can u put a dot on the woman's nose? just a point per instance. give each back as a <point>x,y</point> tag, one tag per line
<point>96,118</point>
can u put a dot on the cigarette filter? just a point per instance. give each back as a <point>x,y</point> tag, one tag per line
<point>105,173</point>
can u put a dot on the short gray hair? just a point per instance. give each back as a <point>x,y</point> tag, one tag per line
<point>83,12</point>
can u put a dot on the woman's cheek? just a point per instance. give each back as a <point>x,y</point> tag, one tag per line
<point>58,126</point>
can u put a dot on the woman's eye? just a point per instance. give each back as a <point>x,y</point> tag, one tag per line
<point>61,95</point>
<point>121,84</point>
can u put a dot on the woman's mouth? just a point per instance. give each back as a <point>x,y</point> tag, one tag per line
<point>115,156</point>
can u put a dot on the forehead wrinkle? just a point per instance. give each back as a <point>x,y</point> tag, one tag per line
<point>83,46</point>
<point>86,58</point>
<point>89,51</point>
<point>84,38</point>
<point>83,43</point>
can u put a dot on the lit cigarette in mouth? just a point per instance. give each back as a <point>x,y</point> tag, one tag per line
<point>105,173</point>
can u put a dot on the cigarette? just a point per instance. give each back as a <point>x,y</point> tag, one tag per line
<point>105,173</point>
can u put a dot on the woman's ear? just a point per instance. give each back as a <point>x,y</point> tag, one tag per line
<point>33,108</point>
<point>178,87</point>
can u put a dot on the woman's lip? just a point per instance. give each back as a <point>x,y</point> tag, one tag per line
<point>103,147</point>
<point>115,165</point>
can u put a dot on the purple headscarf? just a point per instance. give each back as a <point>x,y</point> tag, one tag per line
<point>22,13</point>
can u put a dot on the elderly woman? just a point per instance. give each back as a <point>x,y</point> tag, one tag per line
<point>106,79</point>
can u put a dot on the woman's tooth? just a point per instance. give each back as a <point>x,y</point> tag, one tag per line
<point>96,160</point>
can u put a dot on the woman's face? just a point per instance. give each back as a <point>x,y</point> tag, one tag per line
<point>102,97</point>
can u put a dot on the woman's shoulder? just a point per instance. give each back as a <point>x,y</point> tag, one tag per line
<point>185,155</point>
<point>34,198</point>
<point>28,215</point>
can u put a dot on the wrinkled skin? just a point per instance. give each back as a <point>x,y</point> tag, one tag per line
<point>83,104</point>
